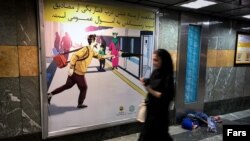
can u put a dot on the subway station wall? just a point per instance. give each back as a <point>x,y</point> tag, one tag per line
<point>168,33</point>
<point>19,76</point>
<point>225,84</point>
<point>224,81</point>
<point>19,73</point>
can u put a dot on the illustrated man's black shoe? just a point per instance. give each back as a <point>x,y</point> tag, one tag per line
<point>82,106</point>
<point>49,97</point>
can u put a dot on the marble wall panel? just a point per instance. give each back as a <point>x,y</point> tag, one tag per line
<point>8,33</point>
<point>168,35</point>
<point>94,135</point>
<point>30,100</point>
<point>9,61</point>
<point>227,106</point>
<point>221,34</point>
<point>26,22</point>
<point>224,81</point>
<point>240,81</point>
<point>10,108</point>
<point>28,60</point>
<point>220,84</point>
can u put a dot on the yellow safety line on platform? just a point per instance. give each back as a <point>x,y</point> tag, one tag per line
<point>130,83</point>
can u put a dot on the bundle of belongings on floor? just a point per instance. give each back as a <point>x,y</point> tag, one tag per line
<point>192,120</point>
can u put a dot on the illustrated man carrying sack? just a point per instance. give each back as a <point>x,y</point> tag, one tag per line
<point>78,66</point>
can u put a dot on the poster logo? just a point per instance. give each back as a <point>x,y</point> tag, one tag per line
<point>131,108</point>
<point>121,108</point>
<point>121,111</point>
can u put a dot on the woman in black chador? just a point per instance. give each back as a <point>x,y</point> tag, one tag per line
<point>160,88</point>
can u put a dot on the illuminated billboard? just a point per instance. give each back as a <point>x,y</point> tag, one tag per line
<point>110,91</point>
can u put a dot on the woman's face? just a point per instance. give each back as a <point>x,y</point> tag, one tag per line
<point>156,61</point>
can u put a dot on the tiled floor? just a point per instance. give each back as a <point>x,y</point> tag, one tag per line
<point>200,134</point>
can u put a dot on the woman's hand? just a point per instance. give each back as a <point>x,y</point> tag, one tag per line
<point>142,81</point>
<point>153,92</point>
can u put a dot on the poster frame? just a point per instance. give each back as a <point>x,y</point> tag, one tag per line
<point>236,63</point>
<point>42,73</point>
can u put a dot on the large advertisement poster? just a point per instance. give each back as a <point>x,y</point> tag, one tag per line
<point>242,52</point>
<point>111,91</point>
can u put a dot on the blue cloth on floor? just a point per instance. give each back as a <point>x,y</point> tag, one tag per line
<point>200,119</point>
<point>187,123</point>
<point>211,125</point>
